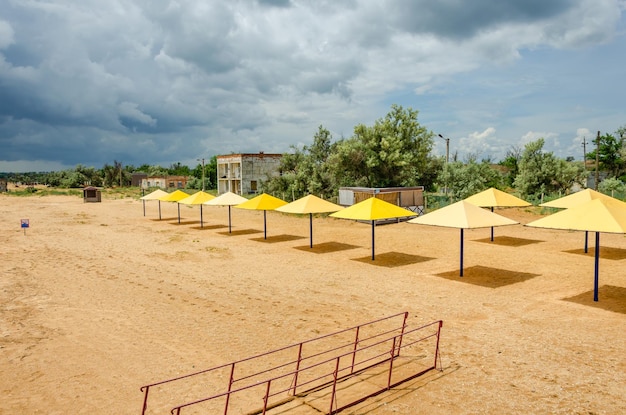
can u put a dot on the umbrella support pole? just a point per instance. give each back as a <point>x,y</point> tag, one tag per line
<point>201,222</point>
<point>178,205</point>
<point>597,266</point>
<point>265,224</point>
<point>586,241</point>
<point>492,226</point>
<point>461,272</point>
<point>229,225</point>
<point>144,207</point>
<point>311,230</point>
<point>159,210</point>
<point>373,227</point>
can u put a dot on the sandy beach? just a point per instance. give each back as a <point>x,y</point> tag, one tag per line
<point>98,299</point>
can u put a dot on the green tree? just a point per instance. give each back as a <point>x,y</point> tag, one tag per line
<point>541,172</point>
<point>289,181</point>
<point>466,179</point>
<point>610,153</point>
<point>611,185</point>
<point>92,176</point>
<point>511,163</point>
<point>393,152</point>
<point>210,175</point>
<point>178,169</point>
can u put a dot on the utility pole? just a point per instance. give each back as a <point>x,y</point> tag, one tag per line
<point>202,172</point>
<point>447,158</point>
<point>595,185</point>
<point>585,152</point>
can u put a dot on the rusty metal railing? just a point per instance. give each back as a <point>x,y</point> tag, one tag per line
<point>318,367</point>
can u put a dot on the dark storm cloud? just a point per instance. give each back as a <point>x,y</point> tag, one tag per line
<point>462,19</point>
<point>275,3</point>
<point>156,80</point>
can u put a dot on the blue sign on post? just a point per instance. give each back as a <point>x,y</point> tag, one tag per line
<point>25,224</point>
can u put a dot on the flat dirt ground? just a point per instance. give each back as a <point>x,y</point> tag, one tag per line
<point>98,299</point>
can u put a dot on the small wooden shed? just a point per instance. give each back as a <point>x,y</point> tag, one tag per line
<point>92,195</point>
<point>411,198</point>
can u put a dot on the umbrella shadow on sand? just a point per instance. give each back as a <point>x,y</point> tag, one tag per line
<point>278,238</point>
<point>606,252</point>
<point>241,232</point>
<point>613,299</point>
<point>393,259</point>
<point>326,247</point>
<point>508,241</point>
<point>186,222</point>
<point>488,277</point>
<point>209,227</point>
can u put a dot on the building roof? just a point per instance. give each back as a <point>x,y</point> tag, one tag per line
<point>259,154</point>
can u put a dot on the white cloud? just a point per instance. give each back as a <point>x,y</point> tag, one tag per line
<point>131,111</point>
<point>6,34</point>
<point>234,76</point>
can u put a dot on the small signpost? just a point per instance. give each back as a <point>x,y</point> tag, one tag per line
<point>25,224</point>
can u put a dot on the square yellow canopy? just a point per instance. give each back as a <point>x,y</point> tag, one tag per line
<point>496,198</point>
<point>372,209</point>
<point>463,215</point>
<point>309,204</point>
<point>156,195</point>
<point>577,198</point>
<point>262,202</point>
<point>174,196</point>
<point>227,199</point>
<point>597,215</point>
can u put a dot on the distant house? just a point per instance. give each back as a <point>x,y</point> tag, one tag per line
<point>136,178</point>
<point>165,182</point>
<point>243,173</point>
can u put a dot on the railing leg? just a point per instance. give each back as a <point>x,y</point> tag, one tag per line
<point>230,385</point>
<point>332,395</point>
<point>295,378</point>
<point>392,353</point>
<point>267,396</point>
<point>356,345</point>
<point>437,345</point>
<point>406,315</point>
<point>145,401</point>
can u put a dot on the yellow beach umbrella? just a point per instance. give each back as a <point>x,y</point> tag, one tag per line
<point>463,215</point>
<point>493,197</point>
<point>309,204</point>
<point>372,209</point>
<point>153,196</point>
<point>227,199</point>
<point>175,196</point>
<point>198,198</point>
<point>576,199</point>
<point>262,202</point>
<point>597,215</point>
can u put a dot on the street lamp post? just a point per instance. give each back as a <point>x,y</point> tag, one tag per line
<point>202,173</point>
<point>447,157</point>
<point>447,148</point>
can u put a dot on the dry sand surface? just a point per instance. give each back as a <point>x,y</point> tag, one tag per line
<point>98,299</point>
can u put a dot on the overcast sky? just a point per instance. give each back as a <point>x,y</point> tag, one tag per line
<point>159,81</point>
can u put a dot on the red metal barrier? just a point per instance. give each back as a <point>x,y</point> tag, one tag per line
<point>317,365</point>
